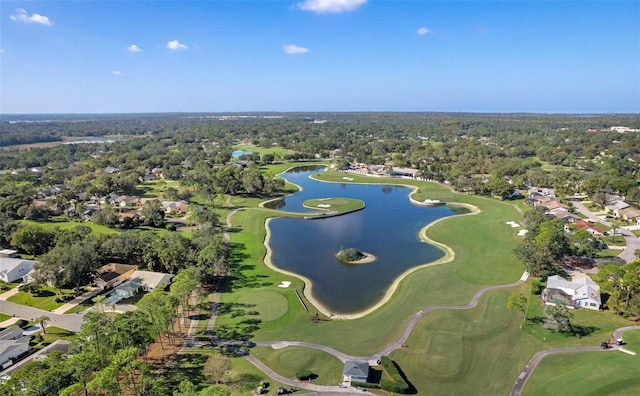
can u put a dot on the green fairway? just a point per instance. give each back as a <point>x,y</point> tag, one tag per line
<point>588,373</point>
<point>449,352</point>
<point>271,305</point>
<point>288,361</point>
<point>338,205</point>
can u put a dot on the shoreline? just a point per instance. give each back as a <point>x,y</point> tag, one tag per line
<point>368,258</point>
<point>448,257</point>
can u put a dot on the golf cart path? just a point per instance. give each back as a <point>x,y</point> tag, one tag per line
<point>372,358</point>
<point>535,360</point>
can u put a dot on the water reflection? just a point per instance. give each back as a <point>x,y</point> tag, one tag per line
<point>388,228</point>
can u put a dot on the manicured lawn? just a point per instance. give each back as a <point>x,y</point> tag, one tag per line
<point>591,327</point>
<point>616,240</point>
<point>8,286</point>
<point>45,299</point>
<point>474,352</point>
<point>449,352</point>
<point>290,360</point>
<point>68,224</point>
<point>608,253</point>
<point>588,373</point>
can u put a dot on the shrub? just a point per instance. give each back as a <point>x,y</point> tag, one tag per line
<point>396,383</point>
<point>365,384</point>
<point>395,387</point>
<point>304,375</point>
<point>349,255</point>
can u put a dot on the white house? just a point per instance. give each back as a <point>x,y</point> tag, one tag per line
<point>13,269</point>
<point>580,292</point>
<point>142,281</point>
<point>355,371</point>
<point>12,345</point>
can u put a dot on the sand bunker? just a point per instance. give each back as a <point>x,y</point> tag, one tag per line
<point>513,224</point>
<point>284,284</point>
<point>324,205</point>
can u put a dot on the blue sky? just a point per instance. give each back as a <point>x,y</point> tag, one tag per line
<point>319,55</point>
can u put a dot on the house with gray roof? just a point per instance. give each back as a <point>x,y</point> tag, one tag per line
<point>13,269</point>
<point>355,371</point>
<point>580,292</point>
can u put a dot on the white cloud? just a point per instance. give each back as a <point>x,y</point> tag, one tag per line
<point>293,49</point>
<point>117,73</point>
<point>176,45</point>
<point>423,31</point>
<point>134,48</point>
<point>330,6</point>
<point>22,16</point>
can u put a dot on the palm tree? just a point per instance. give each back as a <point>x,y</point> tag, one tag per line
<point>41,320</point>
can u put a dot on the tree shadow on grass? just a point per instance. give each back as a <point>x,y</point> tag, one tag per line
<point>582,331</point>
<point>187,366</point>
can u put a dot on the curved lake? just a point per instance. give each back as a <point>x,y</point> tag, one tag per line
<point>388,228</point>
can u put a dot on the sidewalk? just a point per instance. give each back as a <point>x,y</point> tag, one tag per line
<point>4,296</point>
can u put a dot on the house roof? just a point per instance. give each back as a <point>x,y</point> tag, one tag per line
<point>558,282</point>
<point>8,345</point>
<point>629,212</point>
<point>8,264</point>
<point>617,205</point>
<point>113,270</point>
<point>149,279</point>
<point>11,333</point>
<point>355,368</point>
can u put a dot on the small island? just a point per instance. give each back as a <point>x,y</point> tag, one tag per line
<point>354,256</point>
<point>333,206</point>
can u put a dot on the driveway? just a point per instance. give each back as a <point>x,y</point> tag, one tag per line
<point>71,322</point>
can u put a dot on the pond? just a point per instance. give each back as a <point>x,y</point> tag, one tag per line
<point>238,153</point>
<point>387,228</point>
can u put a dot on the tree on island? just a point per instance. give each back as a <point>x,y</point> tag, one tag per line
<point>350,255</point>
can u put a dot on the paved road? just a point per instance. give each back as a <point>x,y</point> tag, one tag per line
<point>633,242</point>
<point>299,384</point>
<point>531,365</point>
<point>71,322</point>
<point>372,358</point>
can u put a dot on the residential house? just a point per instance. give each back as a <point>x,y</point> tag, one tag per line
<point>580,224</point>
<point>580,292</point>
<point>158,171</point>
<point>113,274</point>
<point>12,345</point>
<point>406,172</point>
<point>13,269</point>
<point>563,214</point>
<point>143,281</point>
<point>355,371</point>
<point>8,253</point>
<point>614,207</point>
<point>629,213</point>
<point>175,207</point>
<point>126,200</point>
<point>111,170</point>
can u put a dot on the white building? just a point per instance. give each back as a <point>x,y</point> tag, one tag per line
<point>580,292</point>
<point>142,281</point>
<point>12,345</point>
<point>13,269</point>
